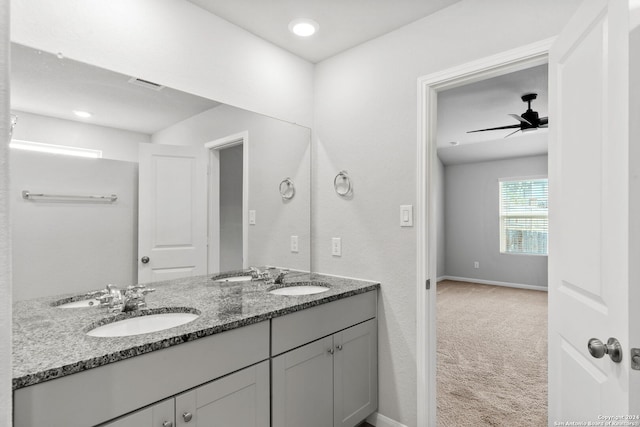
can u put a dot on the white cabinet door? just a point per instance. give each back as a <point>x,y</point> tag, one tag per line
<point>158,415</point>
<point>355,376</point>
<point>589,286</point>
<point>172,212</point>
<point>302,393</point>
<point>240,399</point>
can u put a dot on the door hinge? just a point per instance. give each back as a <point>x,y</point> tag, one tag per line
<point>428,283</point>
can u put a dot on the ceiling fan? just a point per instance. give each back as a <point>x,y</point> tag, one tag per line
<point>529,120</point>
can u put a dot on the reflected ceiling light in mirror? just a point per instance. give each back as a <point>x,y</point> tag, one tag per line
<point>55,149</point>
<point>454,143</point>
<point>303,27</point>
<point>82,114</point>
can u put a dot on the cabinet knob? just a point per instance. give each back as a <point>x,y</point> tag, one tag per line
<point>167,424</point>
<point>187,416</point>
<point>339,347</point>
<point>330,350</point>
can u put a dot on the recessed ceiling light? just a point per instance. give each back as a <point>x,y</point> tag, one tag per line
<point>83,114</point>
<point>454,143</point>
<point>303,27</point>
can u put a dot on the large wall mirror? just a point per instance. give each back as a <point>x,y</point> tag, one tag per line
<point>200,187</point>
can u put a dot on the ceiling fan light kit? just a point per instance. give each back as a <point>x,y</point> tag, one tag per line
<point>529,120</point>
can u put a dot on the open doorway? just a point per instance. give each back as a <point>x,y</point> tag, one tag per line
<point>492,251</point>
<point>430,170</point>
<point>228,203</point>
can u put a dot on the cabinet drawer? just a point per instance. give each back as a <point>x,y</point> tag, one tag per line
<point>301,327</point>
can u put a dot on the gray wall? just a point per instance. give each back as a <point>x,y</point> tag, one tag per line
<point>472,223</point>
<point>366,123</point>
<point>441,220</point>
<point>63,247</point>
<point>276,150</point>
<point>5,234</point>
<point>231,208</point>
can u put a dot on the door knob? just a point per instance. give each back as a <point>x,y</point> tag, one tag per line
<point>598,349</point>
<point>144,259</point>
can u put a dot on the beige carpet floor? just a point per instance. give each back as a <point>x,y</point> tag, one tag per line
<point>492,356</point>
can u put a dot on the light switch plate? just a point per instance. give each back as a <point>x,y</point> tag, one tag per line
<point>406,215</point>
<point>294,244</point>
<point>336,246</point>
<point>252,217</point>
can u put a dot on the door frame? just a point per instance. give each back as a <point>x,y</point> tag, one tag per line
<point>426,228</point>
<point>213,187</point>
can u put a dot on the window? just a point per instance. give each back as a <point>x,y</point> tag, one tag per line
<point>524,216</point>
<point>55,149</point>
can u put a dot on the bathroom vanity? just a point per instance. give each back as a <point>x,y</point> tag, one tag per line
<point>251,359</point>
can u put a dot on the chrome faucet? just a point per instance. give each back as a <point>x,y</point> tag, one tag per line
<point>257,274</point>
<point>270,275</point>
<point>117,301</point>
<point>280,277</point>
<point>134,297</point>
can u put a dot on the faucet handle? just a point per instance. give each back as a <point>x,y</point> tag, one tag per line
<point>96,294</point>
<point>146,290</point>
<point>105,300</point>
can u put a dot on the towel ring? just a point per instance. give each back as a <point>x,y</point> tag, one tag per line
<point>287,189</point>
<point>342,184</point>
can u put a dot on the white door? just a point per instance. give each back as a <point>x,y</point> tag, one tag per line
<point>589,214</point>
<point>355,374</point>
<point>172,212</point>
<point>302,386</point>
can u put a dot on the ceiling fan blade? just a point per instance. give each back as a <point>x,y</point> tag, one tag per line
<point>513,133</point>
<point>498,128</point>
<point>544,121</point>
<point>520,119</point>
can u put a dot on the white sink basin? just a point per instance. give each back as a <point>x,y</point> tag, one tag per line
<point>80,304</point>
<point>234,279</point>
<point>142,324</point>
<point>299,290</point>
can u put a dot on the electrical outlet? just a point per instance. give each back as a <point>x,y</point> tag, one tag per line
<point>336,246</point>
<point>476,264</point>
<point>294,244</point>
<point>252,217</point>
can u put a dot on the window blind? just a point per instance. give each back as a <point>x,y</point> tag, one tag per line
<point>524,216</point>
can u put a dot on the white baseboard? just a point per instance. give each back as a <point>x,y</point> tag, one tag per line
<point>493,282</point>
<point>379,420</point>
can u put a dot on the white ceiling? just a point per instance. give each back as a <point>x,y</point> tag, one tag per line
<point>343,23</point>
<point>42,83</point>
<point>486,104</point>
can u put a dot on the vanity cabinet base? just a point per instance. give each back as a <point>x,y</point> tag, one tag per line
<point>331,382</point>
<point>101,394</point>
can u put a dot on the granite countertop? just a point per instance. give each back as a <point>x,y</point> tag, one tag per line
<point>50,342</point>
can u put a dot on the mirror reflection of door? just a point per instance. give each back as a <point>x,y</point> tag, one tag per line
<point>230,197</point>
<point>172,209</point>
